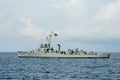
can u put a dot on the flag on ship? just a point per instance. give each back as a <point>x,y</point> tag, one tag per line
<point>55,34</point>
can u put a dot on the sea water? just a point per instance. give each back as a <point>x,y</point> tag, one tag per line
<point>14,68</point>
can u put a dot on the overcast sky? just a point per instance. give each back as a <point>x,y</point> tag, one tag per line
<point>92,25</point>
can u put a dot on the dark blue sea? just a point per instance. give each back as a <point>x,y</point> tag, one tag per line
<point>14,68</point>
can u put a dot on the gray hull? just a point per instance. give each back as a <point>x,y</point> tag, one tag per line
<point>54,55</point>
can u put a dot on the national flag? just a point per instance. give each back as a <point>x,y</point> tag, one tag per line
<point>55,34</point>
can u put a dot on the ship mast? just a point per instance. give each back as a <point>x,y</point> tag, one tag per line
<point>48,38</point>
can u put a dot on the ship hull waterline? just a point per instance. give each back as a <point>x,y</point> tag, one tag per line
<point>53,55</point>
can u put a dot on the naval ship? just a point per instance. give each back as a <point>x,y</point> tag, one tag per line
<point>46,51</point>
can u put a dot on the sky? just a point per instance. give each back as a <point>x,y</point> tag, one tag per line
<point>91,25</point>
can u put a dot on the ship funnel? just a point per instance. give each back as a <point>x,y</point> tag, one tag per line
<point>58,47</point>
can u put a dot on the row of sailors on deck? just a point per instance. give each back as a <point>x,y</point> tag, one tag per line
<point>69,51</point>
